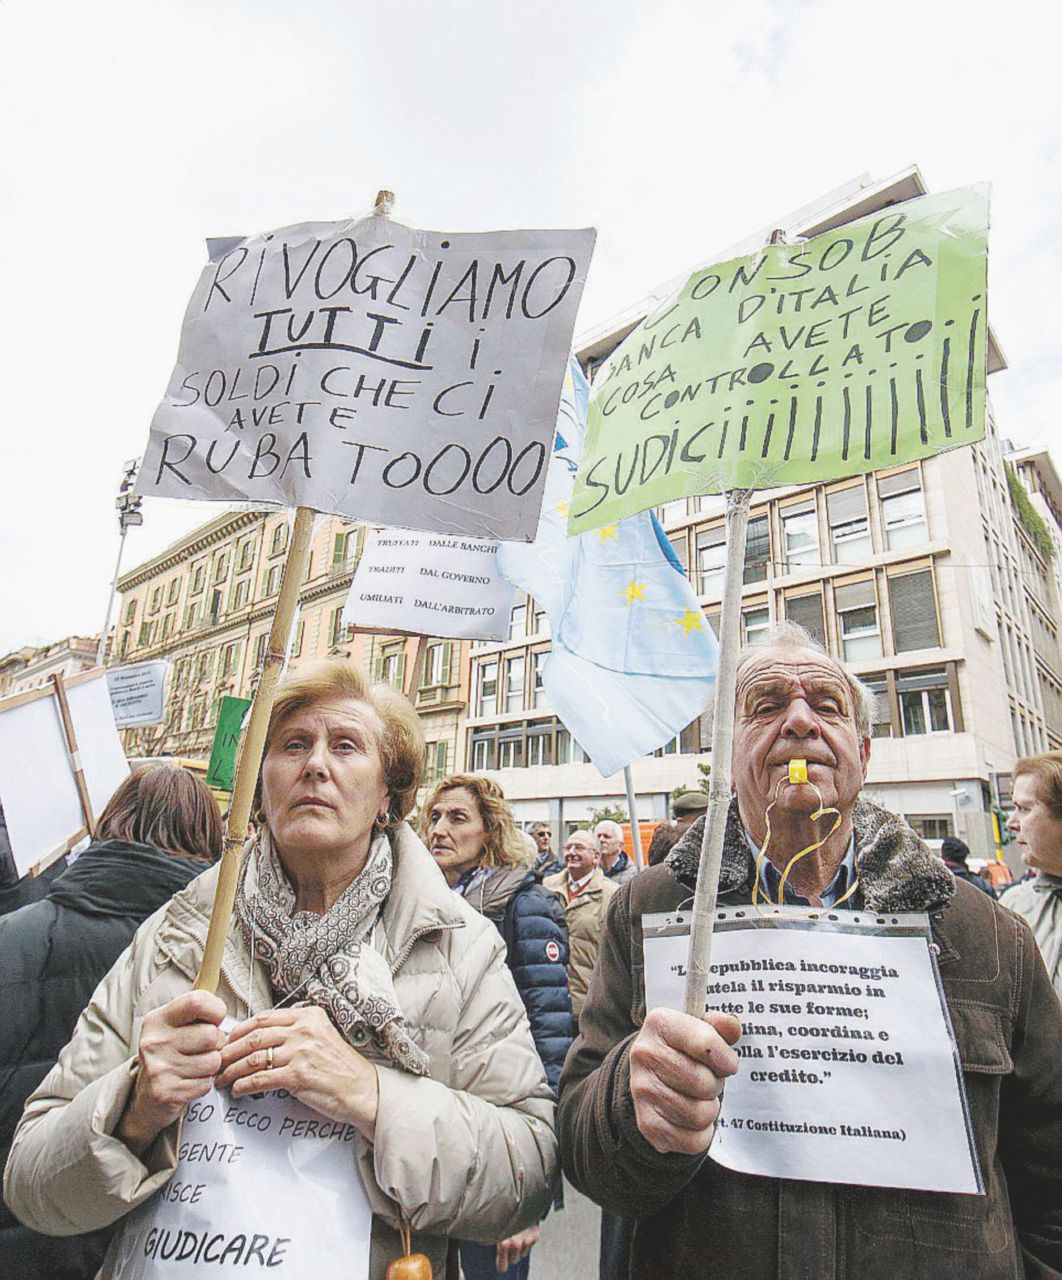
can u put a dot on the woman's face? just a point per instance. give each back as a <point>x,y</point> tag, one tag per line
<point>322,780</point>
<point>456,832</point>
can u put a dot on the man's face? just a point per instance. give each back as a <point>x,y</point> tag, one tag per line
<point>609,842</point>
<point>795,704</point>
<point>580,854</point>
<point>541,836</point>
<point>1039,834</point>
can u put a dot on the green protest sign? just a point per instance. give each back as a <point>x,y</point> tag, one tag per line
<point>861,348</point>
<point>222,768</point>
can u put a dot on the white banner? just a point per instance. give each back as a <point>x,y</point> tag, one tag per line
<point>849,1070</point>
<point>262,1182</point>
<point>137,693</point>
<point>430,585</point>
<point>374,371</point>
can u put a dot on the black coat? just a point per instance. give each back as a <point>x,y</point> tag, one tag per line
<point>53,954</point>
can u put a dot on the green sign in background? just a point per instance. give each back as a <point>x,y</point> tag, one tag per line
<point>221,771</point>
<point>861,348</point>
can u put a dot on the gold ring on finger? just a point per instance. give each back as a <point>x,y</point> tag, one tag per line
<point>269,1058</point>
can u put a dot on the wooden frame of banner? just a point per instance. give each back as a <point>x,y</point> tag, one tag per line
<point>57,687</point>
<point>702,925</point>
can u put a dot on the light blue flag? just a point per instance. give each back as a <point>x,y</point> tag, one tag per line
<point>633,659</point>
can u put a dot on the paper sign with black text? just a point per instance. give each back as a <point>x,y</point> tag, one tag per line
<point>371,370</point>
<point>262,1184</point>
<point>137,693</point>
<point>430,584</point>
<point>849,1070</point>
<point>861,348</point>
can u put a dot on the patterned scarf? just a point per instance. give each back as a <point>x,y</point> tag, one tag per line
<point>328,959</point>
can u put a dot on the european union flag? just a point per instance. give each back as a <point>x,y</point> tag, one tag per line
<point>633,659</point>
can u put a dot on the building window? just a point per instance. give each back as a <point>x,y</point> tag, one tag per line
<point>800,534</point>
<point>672,511</point>
<point>857,615</point>
<point>228,660</point>
<point>754,622</point>
<point>514,682</point>
<point>539,620</point>
<point>518,622</point>
<point>206,666</point>
<point>221,566</point>
<point>215,607</point>
<point>539,746</point>
<point>914,611</point>
<point>757,549</point>
<point>482,752</point>
<point>931,827</point>
<point>271,580</point>
<point>510,751</point>
<point>681,547</point>
<point>903,513</point>
<point>487,696</point>
<point>345,551</point>
<point>392,664</point>
<point>123,645</point>
<point>130,612</point>
<point>147,633</point>
<point>538,689</point>
<point>239,593</point>
<point>156,600</point>
<point>300,627</point>
<point>190,613</point>
<point>436,670</point>
<point>568,750</point>
<point>337,632</point>
<point>435,756</point>
<point>198,579</point>
<point>246,555</point>
<point>882,723</point>
<point>671,748</point>
<point>806,612</point>
<point>173,590</point>
<point>711,556</point>
<point>924,701</point>
<point>846,512</point>
<point>261,643</point>
<point>280,539</point>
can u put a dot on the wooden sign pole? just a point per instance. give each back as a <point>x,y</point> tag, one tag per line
<point>75,755</point>
<point>632,811</point>
<point>719,783</point>
<point>252,747</point>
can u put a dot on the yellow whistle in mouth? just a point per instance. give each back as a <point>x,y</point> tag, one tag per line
<point>798,771</point>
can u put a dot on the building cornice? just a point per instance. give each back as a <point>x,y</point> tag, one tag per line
<point>192,544</point>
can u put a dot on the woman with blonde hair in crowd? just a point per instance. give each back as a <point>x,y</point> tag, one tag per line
<point>364,988</point>
<point>1037,823</point>
<point>470,831</point>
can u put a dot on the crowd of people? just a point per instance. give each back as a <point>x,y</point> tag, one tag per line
<point>471,1000</point>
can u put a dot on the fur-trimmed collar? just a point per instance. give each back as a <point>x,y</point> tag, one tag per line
<point>897,872</point>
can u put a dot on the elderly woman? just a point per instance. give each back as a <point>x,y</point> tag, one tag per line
<point>471,834</point>
<point>366,989</point>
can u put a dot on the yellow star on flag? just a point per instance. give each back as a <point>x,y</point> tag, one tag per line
<point>561,508</point>
<point>691,620</point>
<point>605,532</point>
<point>634,591</point>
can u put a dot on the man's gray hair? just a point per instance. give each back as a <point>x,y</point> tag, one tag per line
<point>788,635</point>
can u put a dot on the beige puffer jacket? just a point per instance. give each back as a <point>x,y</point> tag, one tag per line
<point>586,918</point>
<point>469,1152</point>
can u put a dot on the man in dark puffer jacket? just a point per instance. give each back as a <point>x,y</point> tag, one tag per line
<point>159,830</point>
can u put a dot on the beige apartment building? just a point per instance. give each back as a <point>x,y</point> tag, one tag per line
<point>206,605</point>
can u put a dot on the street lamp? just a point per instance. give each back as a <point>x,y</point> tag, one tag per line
<point>128,508</point>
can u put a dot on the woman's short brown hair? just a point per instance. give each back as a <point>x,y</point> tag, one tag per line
<point>165,806</point>
<point>502,845</point>
<point>402,739</point>
<point>1047,772</point>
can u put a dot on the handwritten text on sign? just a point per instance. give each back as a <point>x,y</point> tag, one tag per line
<point>262,1183</point>
<point>430,585</point>
<point>849,1072</point>
<point>368,369</point>
<point>861,348</point>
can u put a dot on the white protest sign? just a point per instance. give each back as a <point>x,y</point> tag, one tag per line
<point>137,693</point>
<point>430,585</point>
<point>261,1183</point>
<point>37,787</point>
<point>371,370</point>
<point>849,1071</point>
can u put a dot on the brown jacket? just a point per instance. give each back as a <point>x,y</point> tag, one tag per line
<point>586,920</point>
<point>689,1216</point>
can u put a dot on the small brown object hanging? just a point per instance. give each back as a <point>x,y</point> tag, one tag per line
<point>411,1266</point>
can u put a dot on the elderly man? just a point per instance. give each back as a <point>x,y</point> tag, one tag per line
<point>614,861</point>
<point>585,892</point>
<point>640,1094</point>
<point>1037,822</point>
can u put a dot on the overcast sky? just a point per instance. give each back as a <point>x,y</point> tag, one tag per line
<point>130,130</point>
